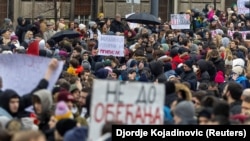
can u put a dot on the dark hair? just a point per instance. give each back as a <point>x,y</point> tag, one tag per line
<point>208,101</point>
<point>235,90</point>
<point>36,99</point>
<point>221,108</point>
<point>78,49</point>
<point>63,84</point>
<point>199,95</point>
<point>74,62</point>
<point>169,87</point>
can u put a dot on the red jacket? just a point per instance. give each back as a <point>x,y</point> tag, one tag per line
<point>176,61</point>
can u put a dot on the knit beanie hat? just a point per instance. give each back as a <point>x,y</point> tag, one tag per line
<point>62,111</point>
<point>77,134</point>
<point>238,70</point>
<point>185,110</point>
<point>64,125</point>
<point>189,63</point>
<point>219,78</point>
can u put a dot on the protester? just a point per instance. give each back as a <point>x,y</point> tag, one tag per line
<point>204,71</point>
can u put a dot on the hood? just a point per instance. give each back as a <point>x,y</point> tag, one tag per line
<point>185,91</point>
<point>5,99</point>
<point>45,97</point>
<point>98,65</point>
<point>19,21</point>
<point>202,65</point>
<point>156,68</point>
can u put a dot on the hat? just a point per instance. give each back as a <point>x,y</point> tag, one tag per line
<point>100,15</point>
<point>62,111</point>
<point>133,63</point>
<point>86,65</point>
<point>165,47</point>
<point>91,23</point>
<point>63,54</point>
<point>51,42</point>
<point>219,78</point>
<point>189,63</point>
<point>82,26</point>
<point>65,96</point>
<point>49,23</point>
<point>219,31</point>
<point>238,70</point>
<point>73,87</point>
<point>64,125</point>
<point>225,41</point>
<point>13,37</point>
<point>185,110</point>
<point>76,134</point>
<point>102,73</point>
<point>194,48</point>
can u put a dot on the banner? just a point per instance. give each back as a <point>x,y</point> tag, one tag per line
<point>127,103</point>
<point>180,21</point>
<point>243,33</point>
<point>22,73</point>
<point>241,7</point>
<point>111,45</point>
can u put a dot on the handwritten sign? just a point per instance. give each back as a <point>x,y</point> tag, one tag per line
<point>22,73</point>
<point>241,7</point>
<point>111,45</point>
<point>243,33</point>
<point>127,103</point>
<point>180,21</point>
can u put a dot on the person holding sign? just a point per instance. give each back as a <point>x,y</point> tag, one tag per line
<point>12,105</point>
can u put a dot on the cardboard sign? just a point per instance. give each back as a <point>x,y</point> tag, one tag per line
<point>111,45</point>
<point>180,21</point>
<point>127,103</point>
<point>22,73</point>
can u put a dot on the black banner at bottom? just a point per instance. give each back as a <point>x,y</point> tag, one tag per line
<point>174,132</point>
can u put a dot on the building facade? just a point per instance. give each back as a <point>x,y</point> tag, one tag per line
<point>85,10</point>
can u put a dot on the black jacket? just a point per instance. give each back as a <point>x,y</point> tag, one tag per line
<point>24,101</point>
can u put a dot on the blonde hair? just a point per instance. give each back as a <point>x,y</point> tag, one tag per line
<point>27,135</point>
<point>27,34</point>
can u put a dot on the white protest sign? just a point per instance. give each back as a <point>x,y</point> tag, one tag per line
<point>111,45</point>
<point>243,33</point>
<point>22,73</point>
<point>132,25</point>
<point>241,7</point>
<point>180,21</point>
<point>127,103</point>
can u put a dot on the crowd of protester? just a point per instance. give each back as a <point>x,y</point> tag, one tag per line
<point>205,71</point>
